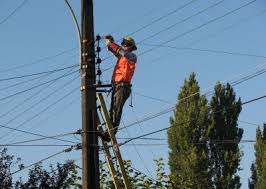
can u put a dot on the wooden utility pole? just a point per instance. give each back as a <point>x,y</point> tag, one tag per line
<point>90,156</point>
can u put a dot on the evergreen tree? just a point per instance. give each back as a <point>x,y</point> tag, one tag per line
<point>188,159</point>
<point>224,136</point>
<point>258,177</point>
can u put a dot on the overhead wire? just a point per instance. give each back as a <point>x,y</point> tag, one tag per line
<point>209,50</point>
<point>40,101</point>
<point>34,134</point>
<point>33,145</point>
<point>182,21</point>
<point>140,157</point>
<point>13,12</point>
<point>199,27</point>
<point>188,31</point>
<point>44,138</point>
<point>175,24</point>
<point>36,86</point>
<point>39,60</point>
<point>62,109</point>
<point>33,95</point>
<point>39,73</point>
<point>76,147</point>
<point>168,110</point>
<point>160,18</point>
<point>43,110</point>
<point>166,128</point>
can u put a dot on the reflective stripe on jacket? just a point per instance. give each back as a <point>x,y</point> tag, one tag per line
<point>125,65</point>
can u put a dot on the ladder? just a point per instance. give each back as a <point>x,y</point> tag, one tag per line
<point>115,147</point>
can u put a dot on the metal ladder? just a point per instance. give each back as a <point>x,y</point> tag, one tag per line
<point>115,147</point>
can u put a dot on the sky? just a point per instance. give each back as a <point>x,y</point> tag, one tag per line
<point>40,36</point>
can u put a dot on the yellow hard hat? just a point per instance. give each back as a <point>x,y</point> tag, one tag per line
<point>129,41</point>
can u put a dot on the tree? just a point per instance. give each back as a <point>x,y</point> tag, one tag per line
<point>224,136</point>
<point>188,156</point>
<point>6,163</point>
<point>63,176</point>
<point>137,179</point>
<point>258,177</point>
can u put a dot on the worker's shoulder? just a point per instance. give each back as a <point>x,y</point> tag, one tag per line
<point>131,56</point>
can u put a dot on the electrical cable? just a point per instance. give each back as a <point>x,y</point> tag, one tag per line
<point>39,60</point>
<point>44,138</point>
<point>162,17</point>
<point>76,147</point>
<point>166,128</point>
<point>36,86</point>
<point>39,73</point>
<point>45,109</point>
<point>182,21</point>
<point>198,27</point>
<point>190,31</point>
<point>13,12</point>
<point>140,157</point>
<point>42,100</point>
<point>34,134</point>
<point>168,110</point>
<point>210,50</point>
<point>33,145</point>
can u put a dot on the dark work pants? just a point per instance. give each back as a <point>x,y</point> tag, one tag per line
<point>119,96</point>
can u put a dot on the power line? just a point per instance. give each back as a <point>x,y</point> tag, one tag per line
<point>152,98</point>
<point>34,87</point>
<point>140,157</point>
<point>35,134</point>
<point>173,25</point>
<point>198,27</point>
<point>39,73</point>
<point>76,147</point>
<point>33,145</point>
<point>162,17</point>
<point>39,60</point>
<point>41,100</point>
<point>166,128</point>
<point>182,21</point>
<point>45,109</point>
<point>209,50</point>
<point>64,108</point>
<point>189,31</point>
<point>159,19</point>
<point>13,12</point>
<point>233,83</point>
<point>44,138</point>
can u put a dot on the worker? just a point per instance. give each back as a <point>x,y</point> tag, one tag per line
<point>122,76</point>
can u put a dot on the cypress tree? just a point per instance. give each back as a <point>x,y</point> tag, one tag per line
<point>258,178</point>
<point>224,136</point>
<point>188,158</point>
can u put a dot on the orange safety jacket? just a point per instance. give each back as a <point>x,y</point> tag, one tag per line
<point>125,65</point>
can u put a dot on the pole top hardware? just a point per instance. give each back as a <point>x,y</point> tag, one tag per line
<point>98,37</point>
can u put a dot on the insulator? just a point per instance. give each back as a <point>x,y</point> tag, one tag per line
<point>98,61</point>
<point>98,37</point>
<point>99,72</point>
<point>98,49</point>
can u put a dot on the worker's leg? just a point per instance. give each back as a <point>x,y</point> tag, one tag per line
<point>119,98</point>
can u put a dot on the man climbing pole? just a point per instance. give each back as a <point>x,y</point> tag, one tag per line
<point>122,76</point>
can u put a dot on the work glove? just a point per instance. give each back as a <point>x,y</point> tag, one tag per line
<point>108,39</point>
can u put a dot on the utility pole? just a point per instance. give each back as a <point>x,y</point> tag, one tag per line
<point>90,154</point>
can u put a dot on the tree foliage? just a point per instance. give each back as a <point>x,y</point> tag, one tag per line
<point>188,158</point>
<point>258,168</point>
<point>225,136</point>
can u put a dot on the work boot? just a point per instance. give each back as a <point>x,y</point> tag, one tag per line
<point>105,136</point>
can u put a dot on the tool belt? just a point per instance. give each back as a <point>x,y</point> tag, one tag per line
<point>122,84</point>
